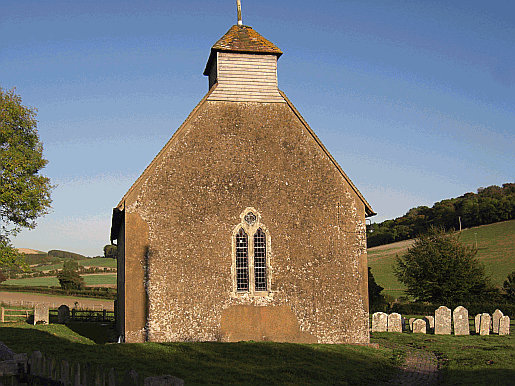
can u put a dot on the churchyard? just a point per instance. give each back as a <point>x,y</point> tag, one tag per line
<point>473,359</point>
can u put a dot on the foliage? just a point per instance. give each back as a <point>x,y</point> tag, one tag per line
<point>439,268</point>
<point>2,277</point>
<point>509,287</point>
<point>65,255</point>
<point>110,251</point>
<point>374,289</point>
<point>24,194</point>
<point>490,205</point>
<point>95,292</point>
<point>69,277</point>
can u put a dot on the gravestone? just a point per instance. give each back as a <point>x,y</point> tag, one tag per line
<point>477,323</point>
<point>430,323</point>
<point>394,322</point>
<point>131,378</point>
<point>443,321</point>
<point>486,321</point>
<point>460,317</point>
<point>41,314</point>
<point>379,322</point>
<point>504,325</point>
<point>63,314</point>
<point>410,321</point>
<point>419,326</point>
<point>496,317</point>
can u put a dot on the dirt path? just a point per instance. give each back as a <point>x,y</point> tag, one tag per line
<point>29,299</point>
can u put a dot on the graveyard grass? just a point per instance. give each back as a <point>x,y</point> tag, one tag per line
<point>496,249</point>
<point>465,360</point>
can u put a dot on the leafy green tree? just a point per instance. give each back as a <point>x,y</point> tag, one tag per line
<point>438,268</point>
<point>110,251</point>
<point>509,287</point>
<point>24,193</point>
<point>69,277</point>
<point>374,289</point>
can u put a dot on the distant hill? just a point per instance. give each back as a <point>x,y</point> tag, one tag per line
<point>488,206</point>
<point>65,255</point>
<point>496,249</point>
<point>27,251</point>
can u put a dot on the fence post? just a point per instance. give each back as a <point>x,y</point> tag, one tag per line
<point>3,313</point>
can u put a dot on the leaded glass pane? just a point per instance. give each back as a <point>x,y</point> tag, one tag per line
<point>242,261</point>
<point>260,260</point>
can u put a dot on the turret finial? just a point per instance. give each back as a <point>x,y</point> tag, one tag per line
<point>238,3</point>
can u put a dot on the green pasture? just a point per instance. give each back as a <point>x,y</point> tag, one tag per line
<point>463,360</point>
<point>98,262</point>
<point>95,262</point>
<point>51,281</point>
<point>496,249</point>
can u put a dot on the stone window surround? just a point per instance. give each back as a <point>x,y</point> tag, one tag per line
<point>251,229</point>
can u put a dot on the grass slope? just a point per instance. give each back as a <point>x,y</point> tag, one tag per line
<point>464,360</point>
<point>50,281</point>
<point>496,249</point>
<point>208,363</point>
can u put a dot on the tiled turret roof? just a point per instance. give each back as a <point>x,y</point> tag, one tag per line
<point>242,38</point>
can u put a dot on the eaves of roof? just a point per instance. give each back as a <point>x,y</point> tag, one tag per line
<point>242,39</point>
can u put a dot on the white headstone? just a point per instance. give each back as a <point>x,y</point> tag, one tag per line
<point>460,317</point>
<point>504,325</point>
<point>419,326</point>
<point>484,328</point>
<point>443,321</point>
<point>394,322</point>
<point>379,322</point>
<point>496,317</point>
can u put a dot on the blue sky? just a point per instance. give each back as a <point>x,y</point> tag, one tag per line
<point>414,99</point>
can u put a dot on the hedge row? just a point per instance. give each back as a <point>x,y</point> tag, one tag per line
<point>429,309</point>
<point>95,292</point>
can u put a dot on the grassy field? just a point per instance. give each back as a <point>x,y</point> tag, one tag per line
<point>52,280</point>
<point>98,262</point>
<point>464,360</point>
<point>496,249</point>
<point>95,262</point>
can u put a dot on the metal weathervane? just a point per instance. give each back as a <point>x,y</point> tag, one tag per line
<point>238,3</point>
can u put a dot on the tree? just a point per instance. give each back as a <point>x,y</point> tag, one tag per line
<point>24,193</point>
<point>69,277</point>
<point>110,251</point>
<point>374,289</point>
<point>509,287</point>
<point>439,269</point>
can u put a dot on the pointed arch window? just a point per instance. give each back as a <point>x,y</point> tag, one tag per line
<point>251,260</point>
<point>242,261</point>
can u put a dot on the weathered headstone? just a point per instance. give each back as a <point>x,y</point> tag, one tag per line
<point>460,317</point>
<point>63,314</point>
<point>65,372</point>
<point>496,317</point>
<point>486,321</point>
<point>6,353</point>
<point>504,325</point>
<point>76,374</point>
<point>100,378</point>
<point>443,321</point>
<point>112,377</point>
<point>131,378</point>
<point>419,326</point>
<point>35,363</point>
<point>379,322</point>
<point>41,314</point>
<point>430,323</point>
<point>477,323</point>
<point>164,380</point>
<point>410,321</point>
<point>394,322</point>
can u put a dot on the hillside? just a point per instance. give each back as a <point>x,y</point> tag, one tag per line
<point>496,249</point>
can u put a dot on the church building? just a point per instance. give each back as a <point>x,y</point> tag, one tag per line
<point>243,227</point>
